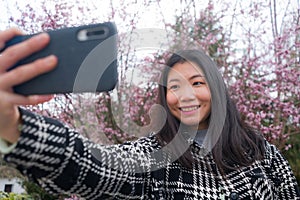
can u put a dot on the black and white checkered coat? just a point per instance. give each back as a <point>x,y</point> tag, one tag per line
<point>62,161</point>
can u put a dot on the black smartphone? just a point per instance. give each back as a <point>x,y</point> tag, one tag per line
<point>87,61</point>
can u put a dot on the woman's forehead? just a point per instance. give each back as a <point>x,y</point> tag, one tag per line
<point>185,69</point>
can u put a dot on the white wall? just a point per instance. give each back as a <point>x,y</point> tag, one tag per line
<point>16,188</point>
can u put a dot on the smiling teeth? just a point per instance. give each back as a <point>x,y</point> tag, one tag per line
<point>189,109</point>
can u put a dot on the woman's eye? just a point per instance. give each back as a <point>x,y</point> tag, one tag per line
<point>174,87</point>
<point>198,83</point>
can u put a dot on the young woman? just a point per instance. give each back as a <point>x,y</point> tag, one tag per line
<point>204,151</point>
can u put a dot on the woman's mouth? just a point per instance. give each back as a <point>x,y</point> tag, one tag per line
<point>189,108</point>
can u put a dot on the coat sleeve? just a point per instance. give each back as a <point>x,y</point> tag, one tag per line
<point>63,162</point>
<point>282,175</point>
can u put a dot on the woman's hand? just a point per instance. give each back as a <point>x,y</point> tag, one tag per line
<point>9,101</point>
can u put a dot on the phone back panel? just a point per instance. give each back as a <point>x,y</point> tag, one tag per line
<point>86,63</point>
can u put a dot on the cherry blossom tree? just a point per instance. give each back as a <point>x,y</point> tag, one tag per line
<point>255,44</point>
<point>261,67</point>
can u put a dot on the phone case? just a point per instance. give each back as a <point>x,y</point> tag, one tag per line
<point>87,61</point>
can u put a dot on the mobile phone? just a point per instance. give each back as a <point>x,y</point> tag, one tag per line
<point>87,61</point>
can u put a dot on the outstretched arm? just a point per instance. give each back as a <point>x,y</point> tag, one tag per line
<point>63,162</point>
<point>9,115</point>
<point>51,154</point>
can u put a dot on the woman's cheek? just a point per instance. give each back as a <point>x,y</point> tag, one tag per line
<point>203,94</point>
<point>171,98</point>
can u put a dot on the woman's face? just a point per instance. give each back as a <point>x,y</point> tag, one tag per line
<point>188,96</point>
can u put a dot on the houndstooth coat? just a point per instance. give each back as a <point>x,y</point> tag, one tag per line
<point>62,161</point>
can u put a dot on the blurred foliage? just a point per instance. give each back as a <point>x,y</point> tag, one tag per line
<point>36,192</point>
<point>293,155</point>
<point>13,196</point>
<point>275,117</point>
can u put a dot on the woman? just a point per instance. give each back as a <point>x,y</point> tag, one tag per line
<point>203,151</point>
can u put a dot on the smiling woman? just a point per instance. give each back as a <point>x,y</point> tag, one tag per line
<point>170,164</point>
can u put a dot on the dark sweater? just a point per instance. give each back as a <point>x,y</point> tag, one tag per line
<point>62,161</point>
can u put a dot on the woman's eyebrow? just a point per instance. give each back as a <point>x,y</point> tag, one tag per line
<point>173,80</point>
<point>192,77</point>
<point>197,76</point>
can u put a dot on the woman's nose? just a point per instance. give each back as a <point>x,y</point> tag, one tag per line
<point>187,94</point>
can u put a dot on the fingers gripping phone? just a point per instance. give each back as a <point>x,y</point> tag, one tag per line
<point>87,61</point>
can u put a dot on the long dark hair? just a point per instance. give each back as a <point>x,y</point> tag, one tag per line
<point>232,142</point>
